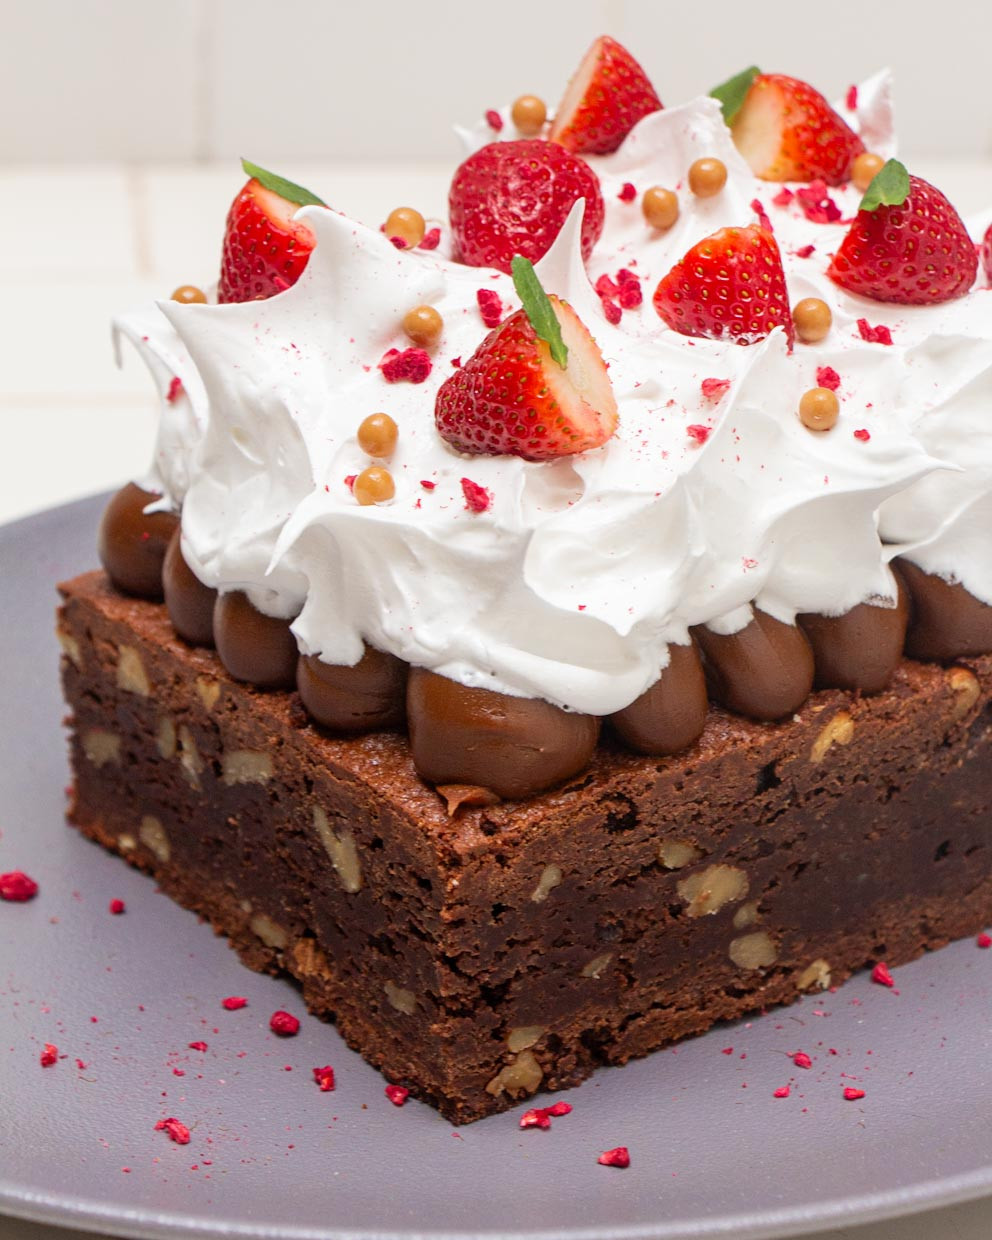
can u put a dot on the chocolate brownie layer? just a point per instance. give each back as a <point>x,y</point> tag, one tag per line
<point>480,956</point>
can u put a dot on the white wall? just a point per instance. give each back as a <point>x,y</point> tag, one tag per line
<point>284,80</point>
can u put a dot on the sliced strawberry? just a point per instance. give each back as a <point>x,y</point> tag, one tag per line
<point>914,252</point>
<point>987,254</point>
<point>513,197</point>
<point>537,386</point>
<point>787,131</point>
<point>264,249</point>
<point>608,95</point>
<point>731,285</point>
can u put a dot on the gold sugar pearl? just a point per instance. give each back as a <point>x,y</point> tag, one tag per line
<point>812,318</point>
<point>189,294</point>
<point>707,177</point>
<point>423,325</point>
<point>374,486</point>
<point>528,115</point>
<point>407,224</point>
<point>377,435</point>
<point>819,409</point>
<point>660,207</point>
<point>865,168</point>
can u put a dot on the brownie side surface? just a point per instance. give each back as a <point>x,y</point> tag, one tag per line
<point>481,957</point>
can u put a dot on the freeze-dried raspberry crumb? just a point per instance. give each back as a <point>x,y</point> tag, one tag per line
<point>349,481</point>
<point>397,1094</point>
<point>851,1094</point>
<point>727,1050</point>
<point>874,335</point>
<point>783,1091</point>
<point>864,436</point>
<point>713,389</point>
<point>325,1078</point>
<point>197,1046</point>
<point>177,1131</point>
<point>431,239</point>
<point>880,973</point>
<point>427,484</point>
<point>175,389</point>
<point>699,433</point>
<point>117,907</point>
<point>49,1055</point>
<point>494,120</point>
<point>412,365</point>
<point>284,1023</point>
<point>783,197</point>
<point>536,1117</point>
<point>490,306</point>
<point>17,887</point>
<point>605,286</point>
<point>628,192</point>
<point>805,251</point>
<point>851,98</point>
<point>611,310</point>
<point>816,203</point>
<point>802,1060</point>
<point>233,1002</point>
<point>477,498</point>
<point>629,285</point>
<point>827,377</point>
<point>619,1156</point>
<point>983,940</point>
<point>399,242</point>
<point>559,1108</point>
<point>758,207</point>
<point>457,362</point>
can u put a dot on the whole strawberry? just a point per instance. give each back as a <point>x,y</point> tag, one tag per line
<point>608,95</point>
<point>513,197</point>
<point>729,286</point>
<point>787,131</point>
<point>537,386</point>
<point>264,250</point>
<point>907,245</point>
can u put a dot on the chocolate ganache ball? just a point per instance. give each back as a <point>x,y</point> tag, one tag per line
<point>671,715</point>
<point>861,648</point>
<point>370,695</point>
<point>514,746</point>
<point>254,647</point>
<point>189,602</point>
<point>132,543</point>
<point>764,671</point>
<point>947,621</point>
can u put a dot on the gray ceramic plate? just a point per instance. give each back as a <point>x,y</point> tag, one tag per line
<point>713,1152</point>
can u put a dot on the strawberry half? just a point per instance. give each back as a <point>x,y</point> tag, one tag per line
<point>987,254</point>
<point>264,250</point>
<point>513,197</point>
<point>512,397</point>
<point>787,131</point>
<point>915,251</point>
<point>608,95</point>
<point>731,285</point>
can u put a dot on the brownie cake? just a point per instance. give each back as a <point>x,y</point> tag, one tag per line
<point>536,672</point>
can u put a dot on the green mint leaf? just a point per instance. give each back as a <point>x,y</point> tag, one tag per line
<point>888,188</point>
<point>538,308</point>
<point>732,93</point>
<point>279,185</point>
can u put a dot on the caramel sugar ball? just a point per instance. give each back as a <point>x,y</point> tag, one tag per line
<point>660,207</point>
<point>377,435</point>
<point>189,294</point>
<point>423,325</point>
<point>407,224</point>
<point>528,115</point>
<point>707,177</point>
<point>813,319</point>
<point>374,486</point>
<point>865,168</point>
<point>819,409</point>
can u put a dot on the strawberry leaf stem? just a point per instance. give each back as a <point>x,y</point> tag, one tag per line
<point>888,188</point>
<point>279,185</point>
<point>538,308</point>
<point>731,94</point>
